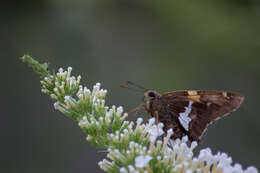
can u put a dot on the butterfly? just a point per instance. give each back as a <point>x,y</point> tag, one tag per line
<point>189,112</point>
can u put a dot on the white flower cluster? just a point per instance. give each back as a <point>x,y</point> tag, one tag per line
<point>98,121</point>
<point>174,157</point>
<point>132,147</point>
<point>61,84</point>
<point>220,161</point>
<point>177,156</point>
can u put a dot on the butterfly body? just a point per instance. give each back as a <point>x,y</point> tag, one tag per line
<point>190,112</point>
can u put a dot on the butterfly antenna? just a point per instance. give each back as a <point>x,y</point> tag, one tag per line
<point>132,89</point>
<point>136,85</point>
<point>128,83</point>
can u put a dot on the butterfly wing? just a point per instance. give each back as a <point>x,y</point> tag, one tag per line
<point>195,110</point>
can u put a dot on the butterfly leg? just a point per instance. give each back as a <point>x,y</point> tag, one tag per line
<point>137,109</point>
<point>156,115</point>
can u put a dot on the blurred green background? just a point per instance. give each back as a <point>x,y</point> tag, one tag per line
<point>162,45</point>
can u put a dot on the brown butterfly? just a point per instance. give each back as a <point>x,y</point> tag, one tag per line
<point>189,112</point>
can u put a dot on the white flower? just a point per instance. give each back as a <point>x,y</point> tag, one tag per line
<point>151,121</point>
<point>189,171</point>
<point>142,161</point>
<point>132,169</point>
<point>123,170</point>
<point>139,120</point>
<point>155,131</point>
<point>251,169</point>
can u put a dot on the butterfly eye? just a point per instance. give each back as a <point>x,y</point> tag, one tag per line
<point>151,94</point>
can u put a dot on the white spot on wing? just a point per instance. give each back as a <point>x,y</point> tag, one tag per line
<point>184,117</point>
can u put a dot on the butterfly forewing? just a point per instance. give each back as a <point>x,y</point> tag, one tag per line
<point>190,112</point>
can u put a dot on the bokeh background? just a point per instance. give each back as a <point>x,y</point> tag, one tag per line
<point>162,45</point>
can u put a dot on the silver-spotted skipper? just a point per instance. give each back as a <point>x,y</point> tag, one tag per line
<point>189,112</point>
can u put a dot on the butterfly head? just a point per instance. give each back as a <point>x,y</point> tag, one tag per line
<point>150,95</point>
